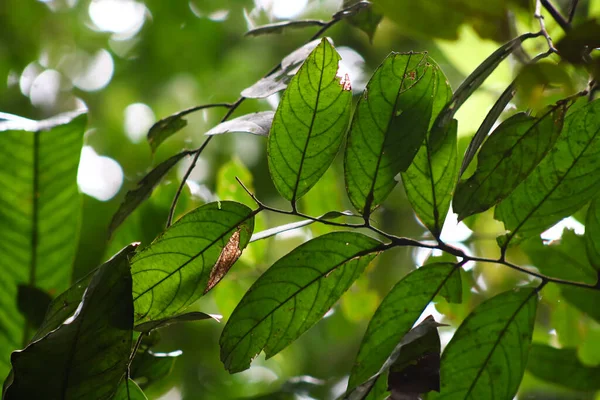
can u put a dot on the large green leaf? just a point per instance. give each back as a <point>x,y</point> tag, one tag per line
<point>129,390</point>
<point>148,367</point>
<point>592,233</point>
<point>189,258</point>
<point>586,300</point>
<point>186,317</point>
<point>389,125</point>
<point>487,355</point>
<point>39,215</point>
<point>309,123</point>
<point>293,295</point>
<point>562,367</point>
<point>566,179</point>
<point>507,157</point>
<point>88,357</point>
<point>395,317</point>
<point>430,180</point>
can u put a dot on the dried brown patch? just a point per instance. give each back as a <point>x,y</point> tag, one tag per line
<point>229,255</point>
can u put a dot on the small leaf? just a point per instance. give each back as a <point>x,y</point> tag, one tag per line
<point>258,123</point>
<point>33,303</point>
<point>99,338</point>
<point>389,125</point>
<point>63,306</point>
<point>309,124</point>
<point>187,317</point>
<point>487,355</point>
<point>566,179</point>
<point>129,390</point>
<point>293,295</point>
<point>279,27</point>
<point>396,315</point>
<point>148,367</point>
<point>507,157</point>
<point>164,129</point>
<point>562,367</point>
<point>430,180</point>
<point>361,15</point>
<point>135,197</point>
<point>174,271</point>
<point>279,80</point>
<point>592,233</point>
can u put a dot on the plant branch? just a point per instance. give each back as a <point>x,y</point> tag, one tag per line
<point>556,15</point>
<point>572,10</point>
<point>538,14</point>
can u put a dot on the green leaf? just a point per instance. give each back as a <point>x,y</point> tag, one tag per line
<point>279,80</point>
<point>279,27</point>
<point>148,367</point>
<point>395,317</point>
<point>562,367</point>
<point>577,42</point>
<point>563,259</point>
<point>566,179</point>
<point>586,300</point>
<point>187,317</point>
<point>309,124</point>
<point>507,157</point>
<point>389,125</point>
<point>129,390</point>
<point>135,197</point>
<point>293,295</point>
<point>429,181</point>
<point>99,338</point>
<point>258,123</point>
<point>189,258</point>
<point>164,129</point>
<point>63,306</point>
<point>487,355</point>
<point>39,215</point>
<point>592,233</point>
<point>32,303</point>
<point>364,18</point>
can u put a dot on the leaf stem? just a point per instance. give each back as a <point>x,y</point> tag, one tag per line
<point>538,14</point>
<point>556,15</point>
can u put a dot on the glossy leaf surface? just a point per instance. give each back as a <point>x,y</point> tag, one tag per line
<point>279,27</point>
<point>258,123</point>
<point>487,355</point>
<point>390,123</point>
<point>309,124</point>
<point>189,258</point>
<point>161,323</point>
<point>293,295</point>
<point>39,215</point>
<point>563,182</point>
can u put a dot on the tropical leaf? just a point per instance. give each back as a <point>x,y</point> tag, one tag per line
<point>361,15</point>
<point>99,338</point>
<point>32,303</point>
<point>258,123</point>
<point>189,258</point>
<point>279,27</point>
<point>487,355</point>
<point>507,157</point>
<point>309,124</point>
<point>187,317</point>
<point>39,215</point>
<point>585,300</point>
<point>129,390</point>
<point>293,295</point>
<point>395,317</point>
<point>430,180</point>
<point>592,233</point>
<point>389,125</point>
<point>562,367</point>
<point>148,367</point>
<point>144,188</point>
<point>566,179</point>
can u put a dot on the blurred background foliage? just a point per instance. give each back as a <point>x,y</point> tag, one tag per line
<point>132,62</point>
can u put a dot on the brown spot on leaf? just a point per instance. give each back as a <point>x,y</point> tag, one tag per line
<point>229,255</point>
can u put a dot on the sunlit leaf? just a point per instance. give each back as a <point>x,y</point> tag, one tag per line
<point>293,295</point>
<point>135,197</point>
<point>39,215</point>
<point>390,124</point>
<point>258,123</point>
<point>592,233</point>
<point>279,80</point>
<point>98,338</point>
<point>429,181</point>
<point>129,390</point>
<point>362,15</point>
<point>565,180</point>
<point>161,323</point>
<point>32,303</point>
<point>487,355</point>
<point>279,27</point>
<point>148,367</point>
<point>395,317</point>
<point>309,124</point>
<point>562,367</point>
<point>177,268</point>
<point>507,157</point>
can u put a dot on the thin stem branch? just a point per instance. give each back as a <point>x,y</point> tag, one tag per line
<point>540,17</point>
<point>556,15</point>
<point>572,10</point>
<point>133,353</point>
